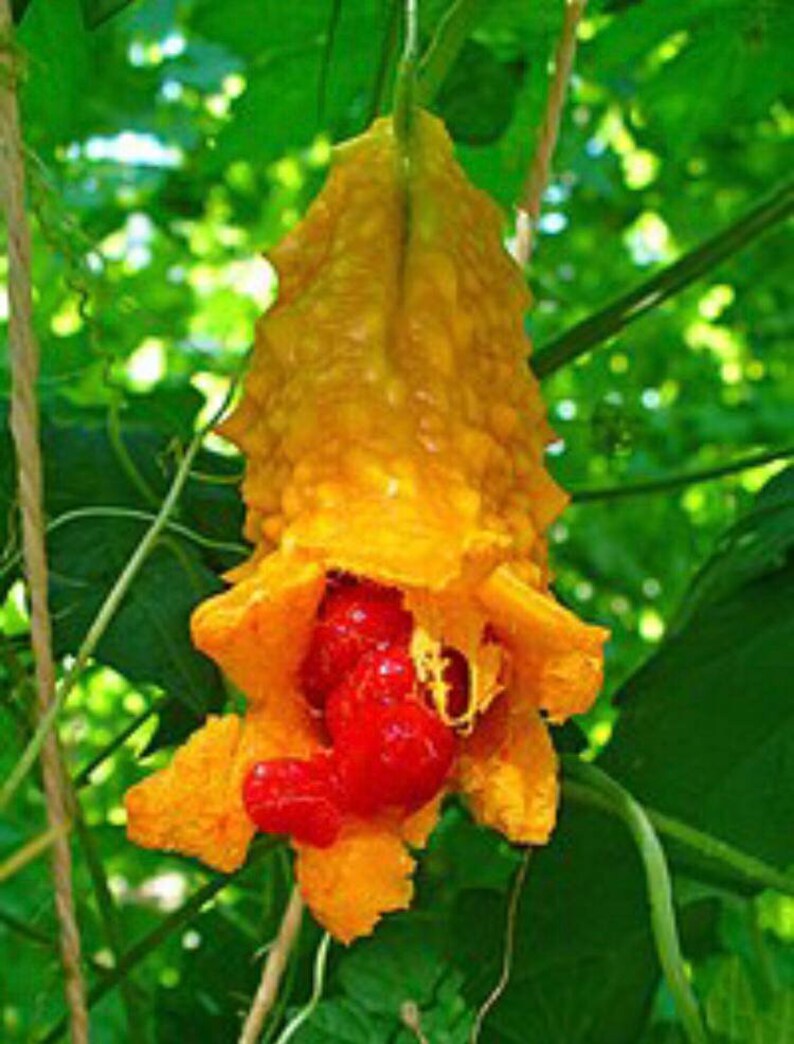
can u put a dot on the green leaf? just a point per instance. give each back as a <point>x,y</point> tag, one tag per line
<point>734,1011</point>
<point>755,547</point>
<point>96,12</point>
<point>18,9</point>
<point>256,28</point>
<point>584,970</point>
<point>52,97</point>
<point>401,962</point>
<point>478,98</point>
<point>148,641</point>
<point>706,732</point>
<point>342,1022</point>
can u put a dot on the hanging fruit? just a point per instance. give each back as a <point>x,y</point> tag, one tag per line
<point>393,631</point>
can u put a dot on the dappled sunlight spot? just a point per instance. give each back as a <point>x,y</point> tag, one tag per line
<point>169,978</point>
<point>566,409</point>
<point>600,734</point>
<point>131,244</point>
<point>104,958</point>
<point>715,300</point>
<point>254,279</point>
<point>100,690</point>
<point>553,223</point>
<point>134,703</point>
<point>584,591</point>
<point>117,816</point>
<point>233,85</point>
<point>651,398</point>
<point>191,940</point>
<point>559,533</point>
<point>142,54</point>
<point>776,914</point>
<point>147,365</point>
<point>619,363</point>
<point>694,500</point>
<point>670,48</point>
<point>215,390</point>
<point>651,625</point>
<point>165,891</point>
<point>134,147</point>
<point>731,373</point>
<point>67,320</point>
<point>171,90</point>
<point>649,239</point>
<point>288,172</point>
<point>651,587</point>
<point>319,152</point>
<point>640,168</point>
<point>613,133</point>
<point>217,105</point>
<point>724,344</point>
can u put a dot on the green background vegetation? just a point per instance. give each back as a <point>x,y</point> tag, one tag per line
<point>171,142</point>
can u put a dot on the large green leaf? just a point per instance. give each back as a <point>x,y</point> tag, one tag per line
<point>52,97</point>
<point>706,731</point>
<point>584,969</point>
<point>739,1015</point>
<point>97,12</point>
<point>478,97</point>
<point>148,640</point>
<point>755,547</point>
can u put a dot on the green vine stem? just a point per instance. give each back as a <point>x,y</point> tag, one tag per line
<point>108,916</point>
<point>663,922</point>
<point>133,515</point>
<point>386,61</point>
<point>127,464</point>
<point>508,952</point>
<point>667,483</point>
<point>405,86</point>
<point>174,922</point>
<point>749,869</point>
<point>451,34</point>
<point>31,850</point>
<point>83,777</point>
<point>320,963</point>
<point>659,288</point>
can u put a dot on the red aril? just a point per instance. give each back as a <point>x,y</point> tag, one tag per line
<point>355,617</point>
<point>396,755</point>
<point>382,676</point>
<point>296,797</point>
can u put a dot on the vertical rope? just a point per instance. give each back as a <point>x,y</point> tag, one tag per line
<point>275,965</point>
<point>25,430</point>
<point>538,177</point>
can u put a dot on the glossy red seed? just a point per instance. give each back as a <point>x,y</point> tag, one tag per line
<point>354,618</point>
<point>296,797</point>
<point>398,754</point>
<point>382,676</point>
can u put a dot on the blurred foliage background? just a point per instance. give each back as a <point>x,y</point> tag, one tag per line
<point>171,142</point>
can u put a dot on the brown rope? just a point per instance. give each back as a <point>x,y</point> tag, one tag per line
<point>538,177</point>
<point>275,965</point>
<point>25,431</point>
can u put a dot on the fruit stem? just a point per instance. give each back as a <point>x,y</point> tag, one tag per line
<point>405,85</point>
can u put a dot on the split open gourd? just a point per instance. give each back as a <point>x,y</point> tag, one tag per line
<point>394,435</point>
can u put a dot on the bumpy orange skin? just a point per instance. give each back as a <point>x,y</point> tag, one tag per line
<point>392,430</point>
